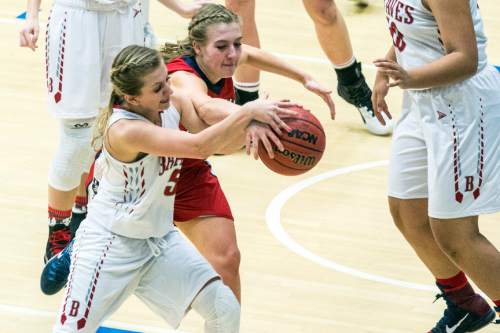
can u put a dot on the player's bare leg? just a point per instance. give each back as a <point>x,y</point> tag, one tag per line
<point>215,238</point>
<point>246,78</point>
<point>463,243</point>
<point>410,216</point>
<point>434,242</point>
<point>331,30</point>
<point>334,39</point>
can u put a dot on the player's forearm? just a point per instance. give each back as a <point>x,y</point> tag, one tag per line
<point>216,138</point>
<point>452,68</point>
<point>33,8</point>
<point>270,63</point>
<point>214,110</point>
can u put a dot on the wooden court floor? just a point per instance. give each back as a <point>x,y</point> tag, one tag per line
<point>326,259</point>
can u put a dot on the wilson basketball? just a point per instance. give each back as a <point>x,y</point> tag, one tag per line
<point>304,145</point>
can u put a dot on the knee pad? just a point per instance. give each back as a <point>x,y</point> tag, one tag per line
<point>74,154</point>
<point>219,307</point>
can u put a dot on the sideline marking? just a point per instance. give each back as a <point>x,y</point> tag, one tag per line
<point>274,225</point>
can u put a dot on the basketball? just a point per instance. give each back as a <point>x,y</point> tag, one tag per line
<point>304,145</point>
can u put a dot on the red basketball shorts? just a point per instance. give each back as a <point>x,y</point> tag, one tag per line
<point>199,194</point>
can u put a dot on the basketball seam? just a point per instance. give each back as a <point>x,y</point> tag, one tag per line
<point>306,147</point>
<point>307,121</point>
<point>288,166</point>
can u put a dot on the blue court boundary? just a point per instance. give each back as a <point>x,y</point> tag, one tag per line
<point>113,330</point>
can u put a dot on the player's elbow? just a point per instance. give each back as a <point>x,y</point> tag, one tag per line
<point>469,63</point>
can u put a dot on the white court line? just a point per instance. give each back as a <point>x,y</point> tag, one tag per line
<point>109,323</point>
<point>274,225</point>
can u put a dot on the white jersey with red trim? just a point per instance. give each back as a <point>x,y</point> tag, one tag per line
<point>136,199</point>
<point>98,5</point>
<point>416,36</point>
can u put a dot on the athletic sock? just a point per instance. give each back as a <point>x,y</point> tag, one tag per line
<point>453,283</point>
<point>246,91</point>
<point>58,216</point>
<point>348,73</point>
<point>80,206</point>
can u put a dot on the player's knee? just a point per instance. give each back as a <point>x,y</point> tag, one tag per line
<point>394,207</point>
<point>229,260</point>
<point>451,249</point>
<point>73,156</point>
<point>455,247</point>
<point>322,12</point>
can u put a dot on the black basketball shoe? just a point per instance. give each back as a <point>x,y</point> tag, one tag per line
<point>360,95</point>
<point>465,311</point>
<point>59,237</point>
<point>55,273</point>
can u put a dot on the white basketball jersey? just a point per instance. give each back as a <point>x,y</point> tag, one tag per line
<point>136,199</point>
<point>416,36</point>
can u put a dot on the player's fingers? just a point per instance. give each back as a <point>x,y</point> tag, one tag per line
<point>394,83</point>
<point>274,123</point>
<point>287,105</point>
<point>379,117</point>
<point>386,111</point>
<point>255,148</point>
<point>385,63</point>
<point>284,112</point>
<point>22,39</point>
<point>281,124</point>
<point>274,138</point>
<point>34,37</point>
<point>248,143</point>
<point>331,105</point>
<point>268,146</point>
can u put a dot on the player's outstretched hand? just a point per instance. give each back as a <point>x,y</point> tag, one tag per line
<point>258,132</point>
<point>270,112</point>
<point>28,36</point>
<point>380,91</point>
<point>398,75</point>
<point>323,92</point>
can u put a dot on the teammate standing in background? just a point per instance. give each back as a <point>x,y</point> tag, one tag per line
<point>82,38</point>
<point>444,167</point>
<point>333,37</point>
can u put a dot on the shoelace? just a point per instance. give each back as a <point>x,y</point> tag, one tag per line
<point>156,245</point>
<point>59,239</point>
<point>449,312</point>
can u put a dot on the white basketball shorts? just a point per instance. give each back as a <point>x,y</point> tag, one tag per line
<point>80,47</point>
<point>446,147</point>
<point>107,268</point>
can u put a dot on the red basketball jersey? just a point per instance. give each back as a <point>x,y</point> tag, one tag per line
<point>223,89</point>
